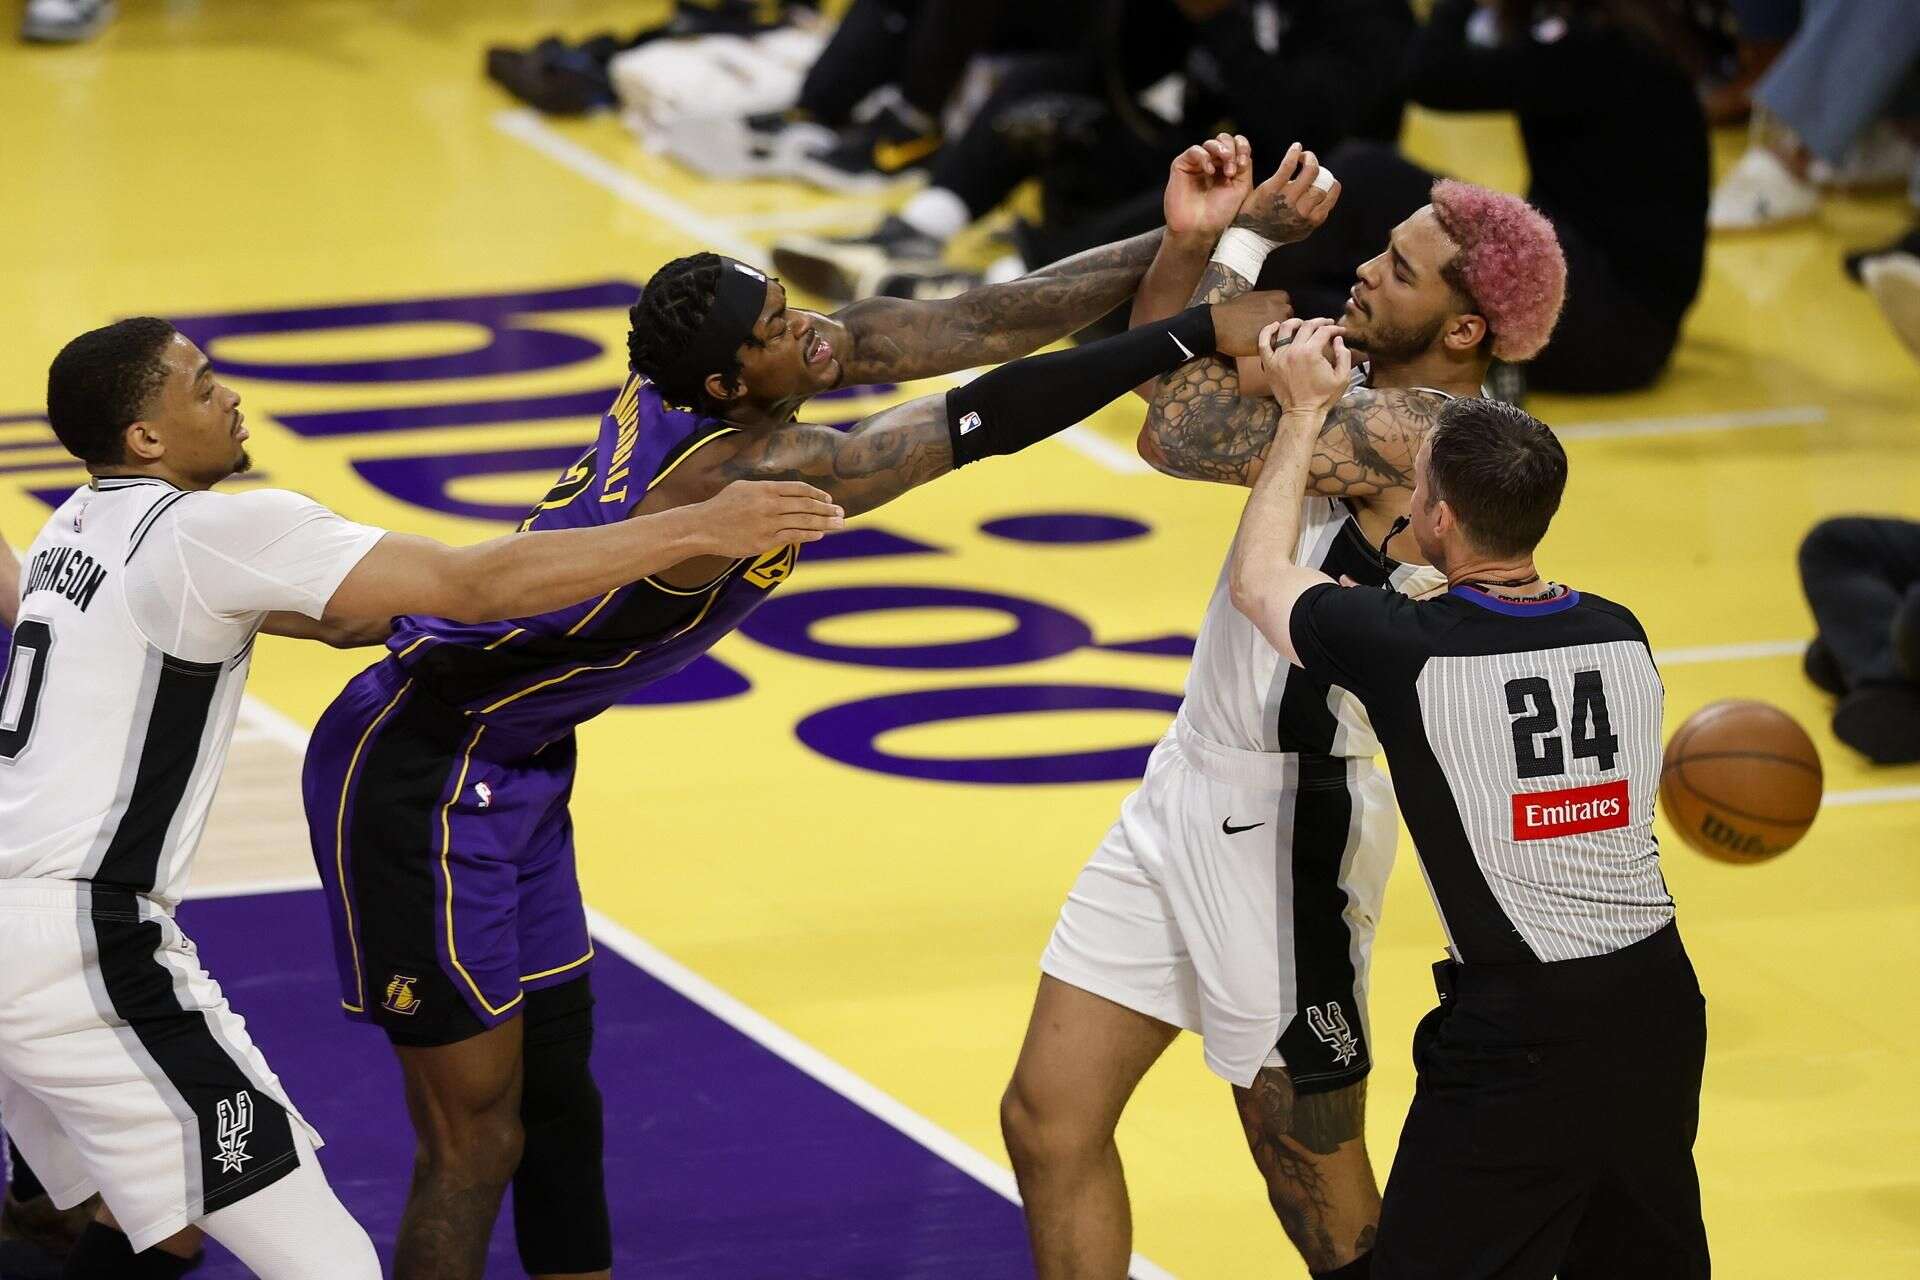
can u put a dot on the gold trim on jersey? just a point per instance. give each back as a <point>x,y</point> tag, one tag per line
<point>415,645</point>
<point>575,628</point>
<point>446,874</point>
<point>688,452</point>
<point>571,964</point>
<point>340,851</point>
<point>604,666</point>
<point>653,581</point>
<point>712,583</point>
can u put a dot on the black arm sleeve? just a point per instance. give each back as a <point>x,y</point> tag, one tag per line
<point>1026,401</point>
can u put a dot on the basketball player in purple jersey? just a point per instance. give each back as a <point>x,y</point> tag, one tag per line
<point>437,784</point>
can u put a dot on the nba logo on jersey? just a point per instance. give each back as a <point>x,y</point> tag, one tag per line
<point>1330,1025</point>
<point>969,423</point>
<point>400,997</point>
<point>485,793</point>
<point>235,1122</point>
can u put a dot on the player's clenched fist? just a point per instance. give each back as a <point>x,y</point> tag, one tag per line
<point>1206,185</point>
<point>1307,363</point>
<point>751,516</point>
<point>1295,201</point>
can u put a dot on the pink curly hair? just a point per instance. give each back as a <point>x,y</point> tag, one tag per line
<point>1509,264</point>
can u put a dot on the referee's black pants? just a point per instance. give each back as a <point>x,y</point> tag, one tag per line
<point>1551,1132</point>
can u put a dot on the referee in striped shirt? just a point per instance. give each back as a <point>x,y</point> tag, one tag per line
<point>1552,1128</point>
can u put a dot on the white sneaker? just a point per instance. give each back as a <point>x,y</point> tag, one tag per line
<point>1760,191</point>
<point>65,21</point>
<point>1894,281</point>
<point>1880,157</point>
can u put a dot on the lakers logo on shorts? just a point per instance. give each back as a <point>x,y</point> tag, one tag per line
<point>400,997</point>
<point>773,568</point>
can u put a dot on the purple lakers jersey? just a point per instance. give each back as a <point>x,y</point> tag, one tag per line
<point>534,679</point>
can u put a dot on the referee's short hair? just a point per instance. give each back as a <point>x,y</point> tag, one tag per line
<point>1500,469</point>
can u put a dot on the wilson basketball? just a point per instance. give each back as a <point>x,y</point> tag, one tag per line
<point>1741,781</point>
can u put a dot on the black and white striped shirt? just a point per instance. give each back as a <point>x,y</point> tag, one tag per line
<point>1525,745</point>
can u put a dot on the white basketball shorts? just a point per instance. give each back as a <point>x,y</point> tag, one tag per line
<point>1237,896</point>
<point>123,1070</point>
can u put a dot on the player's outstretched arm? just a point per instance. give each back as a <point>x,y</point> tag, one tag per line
<point>893,340</point>
<point>1308,365</point>
<point>341,633</point>
<point>523,574</point>
<point>1003,411</point>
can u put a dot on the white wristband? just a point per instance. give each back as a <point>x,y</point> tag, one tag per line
<point>1242,252</point>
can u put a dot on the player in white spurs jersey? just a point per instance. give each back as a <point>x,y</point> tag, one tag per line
<point>122,1068</point>
<point>1238,893</point>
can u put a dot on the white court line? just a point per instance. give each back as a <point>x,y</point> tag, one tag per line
<point>835,217</point>
<point>1798,415</point>
<point>1872,795</point>
<point>1729,652</point>
<point>799,1053</point>
<point>526,126</point>
<point>1084,440</point>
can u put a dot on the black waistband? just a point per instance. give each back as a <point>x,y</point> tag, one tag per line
<point>1658,952</point>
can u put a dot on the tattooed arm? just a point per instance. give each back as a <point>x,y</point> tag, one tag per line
<point>892,340</point>
<point>1200,426</point>
<point>875,462</point>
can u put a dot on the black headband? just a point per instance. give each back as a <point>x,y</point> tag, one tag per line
<point>737,301</point>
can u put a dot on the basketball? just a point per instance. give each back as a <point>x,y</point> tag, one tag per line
<point>1741,781</point>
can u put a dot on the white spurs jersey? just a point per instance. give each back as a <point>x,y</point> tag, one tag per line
<point>1241,693</point>
<point>139,603</point>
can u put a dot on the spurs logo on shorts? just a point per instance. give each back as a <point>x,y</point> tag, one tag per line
<point>235,1117</point>
<point>400,997</point>
<point>1330,1025</point>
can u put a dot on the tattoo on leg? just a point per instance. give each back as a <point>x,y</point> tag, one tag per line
<point>445,1230</point>
<point>1289,1134</point>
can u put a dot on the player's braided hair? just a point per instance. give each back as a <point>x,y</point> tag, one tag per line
<point>102,382</point>
<point>668,315</point>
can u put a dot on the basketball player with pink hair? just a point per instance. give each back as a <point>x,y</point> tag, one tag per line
<point>1238,893</point>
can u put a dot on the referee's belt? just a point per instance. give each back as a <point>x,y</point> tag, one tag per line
<point>1585,976</point>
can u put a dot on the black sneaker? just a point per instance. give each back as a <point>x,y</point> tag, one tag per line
<point>1881,722</point>
<point>1823,669</point>
<point>1908,244</point>
<point>554,77</point>
<point>844,268</point>
<point>889,142</point>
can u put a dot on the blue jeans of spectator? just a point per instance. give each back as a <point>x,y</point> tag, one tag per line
<point>1849,63</point>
